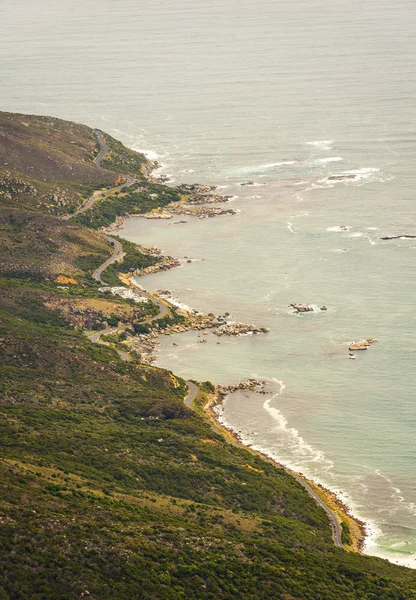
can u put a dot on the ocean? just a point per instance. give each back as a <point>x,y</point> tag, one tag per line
<point>313,102</point>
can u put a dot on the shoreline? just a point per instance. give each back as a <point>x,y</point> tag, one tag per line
<point>357,528</point>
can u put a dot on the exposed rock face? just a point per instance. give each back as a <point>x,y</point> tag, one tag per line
<point>239,329</point>
<point>398,237</point>
<point>251,384</point>
<point>166,263</point>
<point>302,308</point>
<point>341,177</point>
<point>186,208</point>
<point>363,345</point>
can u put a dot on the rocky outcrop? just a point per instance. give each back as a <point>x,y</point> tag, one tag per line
<point>399,237</point>
<point>362,345</point>
<point>341,177</point>
<point>301,308</point>
<point>251,384</point>
<point>166,263</point>
<point>239,329</point>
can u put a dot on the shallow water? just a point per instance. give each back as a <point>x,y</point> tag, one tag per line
<point>285,94</point>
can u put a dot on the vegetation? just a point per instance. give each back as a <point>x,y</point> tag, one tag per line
<point>132,261</point>
<point>111,488</point>
<point>138,199</point>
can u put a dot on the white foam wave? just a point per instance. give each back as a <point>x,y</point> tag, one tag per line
<point>321,144</point>
<point>279,164</point>
<point>175,302</point>
<point>339,228</point>
<point>259,169</point>
<point>151,154</point>
<point>329,159</point>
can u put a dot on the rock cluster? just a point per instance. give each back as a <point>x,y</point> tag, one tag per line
<point>362,345</point>
<point>341,177</point>
<point>251,384</point>
<point>398,237</point>
<point>301,308</point>
<point>239,329</point>
<point>166,263</point>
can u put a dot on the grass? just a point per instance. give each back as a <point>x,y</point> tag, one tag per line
<point>110,488</point>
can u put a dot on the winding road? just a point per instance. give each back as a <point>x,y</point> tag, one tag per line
<point>192,394</point>
<point>101,193</point>
<point>163,311</point>
<point>117,255</point>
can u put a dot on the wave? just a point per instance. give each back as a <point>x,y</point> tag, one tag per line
<point>258,169</point>
<point>321,144</point>
<point>151,154</point>
<point>339,228</point>
<point>329,159</point>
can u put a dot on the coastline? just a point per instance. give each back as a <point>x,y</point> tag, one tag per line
<point>356,528</point>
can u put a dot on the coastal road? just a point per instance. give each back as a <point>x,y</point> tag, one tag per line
<point>103,147</point>
<point>163,309</point>
<point>117,255</point>
<point>101,193</point>
<point>192,394</point>
<point>95,336</point>
<point>335,525</point>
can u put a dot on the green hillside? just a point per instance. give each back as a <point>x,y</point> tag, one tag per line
<point>111,488</point>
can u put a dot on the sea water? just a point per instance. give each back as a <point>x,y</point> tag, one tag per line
<point>287,95</point>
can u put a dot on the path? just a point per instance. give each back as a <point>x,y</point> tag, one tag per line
<point>192,394</point>
<point>95,336</point>
<point>335,525</point>
<point>117,255</point>
<point>101,193</point>
<point>230,439</point>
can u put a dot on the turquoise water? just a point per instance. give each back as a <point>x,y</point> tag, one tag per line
<point>285,94</point>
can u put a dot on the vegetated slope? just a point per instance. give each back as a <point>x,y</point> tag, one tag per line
<point>110,487</point>
<point>47,163</point>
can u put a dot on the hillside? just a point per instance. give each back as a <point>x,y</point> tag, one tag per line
<point>111,488</point>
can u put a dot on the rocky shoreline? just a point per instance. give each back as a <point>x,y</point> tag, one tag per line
<point>198,202</point>
<point>144,344</point>
<point>357,528</point>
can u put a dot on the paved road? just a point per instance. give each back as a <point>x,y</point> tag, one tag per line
<point>335,526</point>
<point>163,309</point>
<point>103,147</point>
<point>101,193</point>
<point>117,255</point>
<point>95,336</point>
<point>333,520</point>
<point>192,394</point>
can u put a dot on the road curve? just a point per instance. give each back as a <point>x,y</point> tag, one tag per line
<point>117,255</point>
<point>95,336</point>
<point>103,147</point>
<point>101,193</point>
<point>192,394</point>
